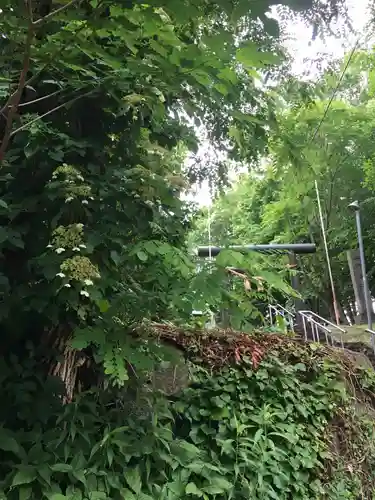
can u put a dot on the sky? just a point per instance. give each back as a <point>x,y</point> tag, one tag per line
<point>305,52</point>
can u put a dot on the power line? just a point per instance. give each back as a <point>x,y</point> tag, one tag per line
<point>335,91</point>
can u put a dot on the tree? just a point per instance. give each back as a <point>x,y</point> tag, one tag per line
<point>95,99</point>
<point>317,139</point>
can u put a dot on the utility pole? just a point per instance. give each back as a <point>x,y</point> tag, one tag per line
<point>334,299</point>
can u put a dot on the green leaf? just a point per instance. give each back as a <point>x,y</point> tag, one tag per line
<point>133,478</point>
<point>271,26</point>
<point>191,489</point>
<point>97,495</point>
<point>103,305</point>
<point>212,490</point>
<point>61,468</point>
<point>223,89</point>
<point>251,57</point>
<point>221,483</point>
<point>127,495</point>
<point>25,493</point>
<point>44,472</point>
<point>79,475</point>
<point>115,257</point>
<point>258,435</point>
<point>142,256</point>
<point>79,343</point>
<point>24,476</point>
<point>8,443</point>
<point>3,234</point>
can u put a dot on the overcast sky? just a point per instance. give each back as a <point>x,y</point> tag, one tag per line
<point>305,52</point>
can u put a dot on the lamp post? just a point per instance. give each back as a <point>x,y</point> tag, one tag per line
<point>355,206</point>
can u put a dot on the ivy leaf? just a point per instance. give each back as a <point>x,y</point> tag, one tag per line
<point>191,489</point>
<point>221,483</point>
<point>133,478</point>
<point>212,490</point>
<point>127,495</point>
<point>97,495</point>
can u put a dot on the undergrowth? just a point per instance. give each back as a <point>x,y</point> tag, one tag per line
<point>297,425</point>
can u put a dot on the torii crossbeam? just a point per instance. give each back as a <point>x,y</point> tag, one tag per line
<point>291,250</point>
<point>280,249</point>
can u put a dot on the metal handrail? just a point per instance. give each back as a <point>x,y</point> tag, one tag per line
<point>309,316</point>
<point>280,309</point>
<point>323,319</point>
<point>278,306</point>
<point>317,325</point>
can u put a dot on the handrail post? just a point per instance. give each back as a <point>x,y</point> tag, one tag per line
<point>317,326</point>
<point>270,313</point>
<point>304,326</point>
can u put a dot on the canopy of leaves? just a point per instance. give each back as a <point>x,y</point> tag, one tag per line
<point>319,138</point>
<point>100,101</point>
<point>100,104</point>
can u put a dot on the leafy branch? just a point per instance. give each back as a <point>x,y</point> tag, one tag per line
<point>60,106</point>
<point>10,108</point>
<point>15,98</point>
<point>55,13</point>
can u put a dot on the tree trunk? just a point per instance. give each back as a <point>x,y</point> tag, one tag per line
<point>64,361</point>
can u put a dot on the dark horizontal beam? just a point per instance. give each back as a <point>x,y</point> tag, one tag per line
<point>300,248</point>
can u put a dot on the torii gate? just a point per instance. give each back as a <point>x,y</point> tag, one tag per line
<point>291,250</point>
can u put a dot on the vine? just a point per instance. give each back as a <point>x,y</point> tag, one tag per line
<point>298,425</point>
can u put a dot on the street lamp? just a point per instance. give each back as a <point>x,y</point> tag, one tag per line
<point>355,207</point>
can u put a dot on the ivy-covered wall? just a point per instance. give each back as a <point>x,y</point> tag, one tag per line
<point>264,417</point>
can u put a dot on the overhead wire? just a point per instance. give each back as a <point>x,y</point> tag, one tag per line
<point>335,90</point>
<point>366,37</point>
<point>312,139</point>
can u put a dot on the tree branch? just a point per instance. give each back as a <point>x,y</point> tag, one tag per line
<point>40,98</point>
<point>54,13</point>
<point>51,111</point>
<point>15,98</point>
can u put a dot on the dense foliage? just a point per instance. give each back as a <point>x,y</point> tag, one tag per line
<point>319,139</point>
<point>101,103</point>
<point>93,141</point>
<point>263,418</point>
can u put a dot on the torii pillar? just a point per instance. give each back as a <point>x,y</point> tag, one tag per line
<point>295,282</point>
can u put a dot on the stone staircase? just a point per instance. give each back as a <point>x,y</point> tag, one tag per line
<point>308,325</point>
<point>313,328</point>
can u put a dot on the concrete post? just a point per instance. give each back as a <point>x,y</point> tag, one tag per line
<point>354,261</point>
